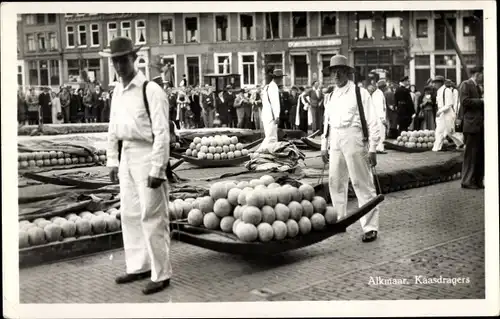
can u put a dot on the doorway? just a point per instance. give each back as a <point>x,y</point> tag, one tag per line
<point>300,70</point>
<point>193,70</point>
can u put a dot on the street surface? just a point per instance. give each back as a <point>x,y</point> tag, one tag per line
<point>428,232</point>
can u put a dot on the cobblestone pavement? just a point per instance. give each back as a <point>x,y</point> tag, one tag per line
<point>431,231</point>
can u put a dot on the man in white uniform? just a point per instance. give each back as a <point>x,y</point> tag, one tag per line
<point>271,110</point>
<point>379,103</point>
<point>140,170</point>
<point>445,115</point>
<point>350,156</point>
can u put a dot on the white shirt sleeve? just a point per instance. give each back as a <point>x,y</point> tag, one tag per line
<point>112,149</point>
<point>372,120</point>
<point>378,100</point>
<point>158,105</point>
<point>326,123</point>
<point>448,100</point>
<point>274,96</point>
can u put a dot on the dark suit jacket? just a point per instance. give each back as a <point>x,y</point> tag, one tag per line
<point>404,103</point>
<point>316,100</point>
<point>472,107</point>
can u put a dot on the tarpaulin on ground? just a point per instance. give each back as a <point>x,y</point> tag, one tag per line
<point>280,156</point>
<point>74,147</point>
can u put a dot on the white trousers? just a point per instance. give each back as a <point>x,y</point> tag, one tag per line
<point>270,134</point>
<point>380,146</point>
<point>144,214</point>
<point>349,159</point>
<point>445,126</point>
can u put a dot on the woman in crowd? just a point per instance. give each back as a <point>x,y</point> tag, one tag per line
<point>57,116</point>
<point>22,109</point>
<point>426,110</point>
<point>99,105</point>
<point>182,106</point>
<point>33,107</point>
<point>303,118</point>
<point>256,102</point>
<point>293,99</point>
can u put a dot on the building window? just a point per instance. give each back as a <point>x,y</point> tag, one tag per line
<point>222,63</point>
<point>442,39</point>
<point>390,62</point>
<point>30,19</point>
<point>112,31</point>
<point>125,29</point>
<point>40,19</point>
<point>328,23</point>
<point>167,30</point>
<point>94,67</point>
<point>53,41</point>
<point>94,35</point>
<point>273,61</point>
<point>82,35</point>
<point>51,18</point>
<point>272,25</point>
<point>31,42</point>
<point>41,42</point>
<point>422,60</point>
<point>193,70</point>
<point>221,27</point>
<point>468,25</point>
<point>365,28</point>
<point>248,68</point>
<point>70,36</point>
<point>446,65</point>
<point>246,27</point>
<point>191,26</point>
<point>299,24</point>
<point>169,69</point>
<point>325,62</point>
<point>422,28</point>
<point>470,62</point>
<point>140,31</point>
<point>73,70</point>
<point>33,73</point>
<point>54,72</point>
<point>44,72</point>
<point>392,27</point>
<point>20,75</point>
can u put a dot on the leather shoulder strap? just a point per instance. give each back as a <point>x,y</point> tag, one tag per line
<point>364,126</point>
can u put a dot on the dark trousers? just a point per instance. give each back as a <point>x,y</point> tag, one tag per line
<point>317,113</point>
<point>284,123</point>
<point>66,115</point>
<point>473,165</point>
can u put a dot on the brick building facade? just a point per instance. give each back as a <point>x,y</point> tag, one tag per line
<point>52,48</point>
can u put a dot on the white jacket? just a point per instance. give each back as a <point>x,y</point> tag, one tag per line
<point>341,111</point>
<point>270,103</point>
<point>378,99</point>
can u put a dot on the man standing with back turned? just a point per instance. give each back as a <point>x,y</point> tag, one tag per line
<point>140,169</point>
<point>271,109</point>
<point>349,133</point>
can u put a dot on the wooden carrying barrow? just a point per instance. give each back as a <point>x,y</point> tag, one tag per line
<point>206,163</point>
<point>229,243</point>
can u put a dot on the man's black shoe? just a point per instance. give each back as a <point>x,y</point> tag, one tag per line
<point>369,236</point>
<point>125,279</point>
<point>153,287</point>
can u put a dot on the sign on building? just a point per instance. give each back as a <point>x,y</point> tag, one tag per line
<point>315,43</point>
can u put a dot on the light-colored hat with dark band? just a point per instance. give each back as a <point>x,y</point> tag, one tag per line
<point>338,61</point>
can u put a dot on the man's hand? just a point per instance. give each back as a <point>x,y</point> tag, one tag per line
<point>154,182</point>
<point>324,156</point>
<point>113,175</point>
<point>277,121</point>
<point>372,158</point>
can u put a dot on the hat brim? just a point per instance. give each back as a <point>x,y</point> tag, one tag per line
<point>107,54</point>
<point>328,69</point>
<point>279,76</point>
